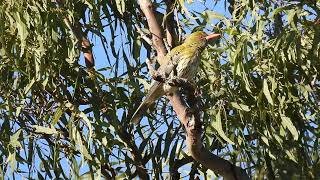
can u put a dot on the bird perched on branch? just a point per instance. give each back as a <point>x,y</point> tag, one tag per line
<point>182,62</point>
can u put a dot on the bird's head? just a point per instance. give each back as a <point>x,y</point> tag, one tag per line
<point>200,39</point>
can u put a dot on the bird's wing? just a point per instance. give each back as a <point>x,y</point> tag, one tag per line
<point>156,90</point>
<point>172,61</point>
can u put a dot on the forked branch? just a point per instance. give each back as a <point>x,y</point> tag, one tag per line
<point>190,118</point>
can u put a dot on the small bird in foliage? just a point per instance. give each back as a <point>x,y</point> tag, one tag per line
<point>182,62</point>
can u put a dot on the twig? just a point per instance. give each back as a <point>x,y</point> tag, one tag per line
<point>170,25</point>
<point>157,76</point>
<point>153,73</point>
<point>143,35</point>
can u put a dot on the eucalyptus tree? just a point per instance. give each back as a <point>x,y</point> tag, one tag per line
<point>74,72</point>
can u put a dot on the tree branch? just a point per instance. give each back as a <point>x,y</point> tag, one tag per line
<point>170,25</point>
<point>155,29</point>
<point>191,120</point>
<point>82,39</point>
<point>85,45</point>
<point>193,125</point>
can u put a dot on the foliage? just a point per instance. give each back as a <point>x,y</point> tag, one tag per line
<point>259,85</point>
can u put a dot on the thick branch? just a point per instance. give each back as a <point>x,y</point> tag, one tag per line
<point>155,29</point>
<point>192,123</point>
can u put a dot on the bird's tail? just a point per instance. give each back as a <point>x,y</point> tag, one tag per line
<point>140,111</point>
<point>155,92</point>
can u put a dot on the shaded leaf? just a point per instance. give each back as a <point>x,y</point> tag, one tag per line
<point>240,106</point>
<point>266,92</point>
<point>218,127</point>
<point>287,123</point>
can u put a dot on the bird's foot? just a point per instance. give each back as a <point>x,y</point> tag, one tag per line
<point>158,76</point>
<point>176,81</point>
<point>186,84</point>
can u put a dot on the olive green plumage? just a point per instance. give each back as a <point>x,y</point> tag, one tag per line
<point>185,58</point>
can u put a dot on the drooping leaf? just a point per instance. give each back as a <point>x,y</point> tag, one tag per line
<point>218,127</point>
<point>44,130</point>
<point>287,123</point>
<point>266,92</point>
<point>242,107</point>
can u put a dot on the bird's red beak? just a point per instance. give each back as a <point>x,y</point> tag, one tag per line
<point>213,36</point>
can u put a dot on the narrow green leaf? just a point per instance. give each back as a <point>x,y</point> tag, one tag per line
<point>12,160</point>
<point>87,121</point>
<point>218,126</point>
<point>157,149</point>
<point>144,142</point>
<point>57,116</point>
<point>18,110</point>
<point>14,139</point>
<point>28,87</point>
<point>173,152</point>
<point>44,163</point>
<point>84,152</point>
<point>291,156</point>
<point>121,6</point>
<point>44,130</point>
<point>240,106</point>
<point>213,15</point>
<point>287,123</point>
<point>291,14</point>
<point>266,91</point>
<point>87,2</point>
<point>22,32</point>
<point>271,155</point>
<point>265,140</point>
<point>278,10</point>
<point>278,139</point>
<point>169,139</point>
<point>232,31</point>
<point>75,167</point>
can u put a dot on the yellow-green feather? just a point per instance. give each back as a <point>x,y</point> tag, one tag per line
<point>187,58</point>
